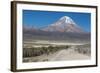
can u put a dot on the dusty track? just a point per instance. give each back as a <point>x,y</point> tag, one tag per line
<point>69,54</point>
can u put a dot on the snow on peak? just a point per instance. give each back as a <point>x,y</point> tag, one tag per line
<point>67,19</point>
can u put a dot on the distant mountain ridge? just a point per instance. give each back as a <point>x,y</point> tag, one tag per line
<point>64,24</point>
<point>56,36</point>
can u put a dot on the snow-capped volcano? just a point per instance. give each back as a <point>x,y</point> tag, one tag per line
<point>64,24</point>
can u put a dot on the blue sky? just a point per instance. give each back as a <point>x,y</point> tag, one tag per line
<point>40,19</point>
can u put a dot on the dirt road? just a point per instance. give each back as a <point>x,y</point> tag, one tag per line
<point>69,54</point>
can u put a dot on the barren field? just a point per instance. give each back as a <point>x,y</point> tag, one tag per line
<point>39,51</point>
